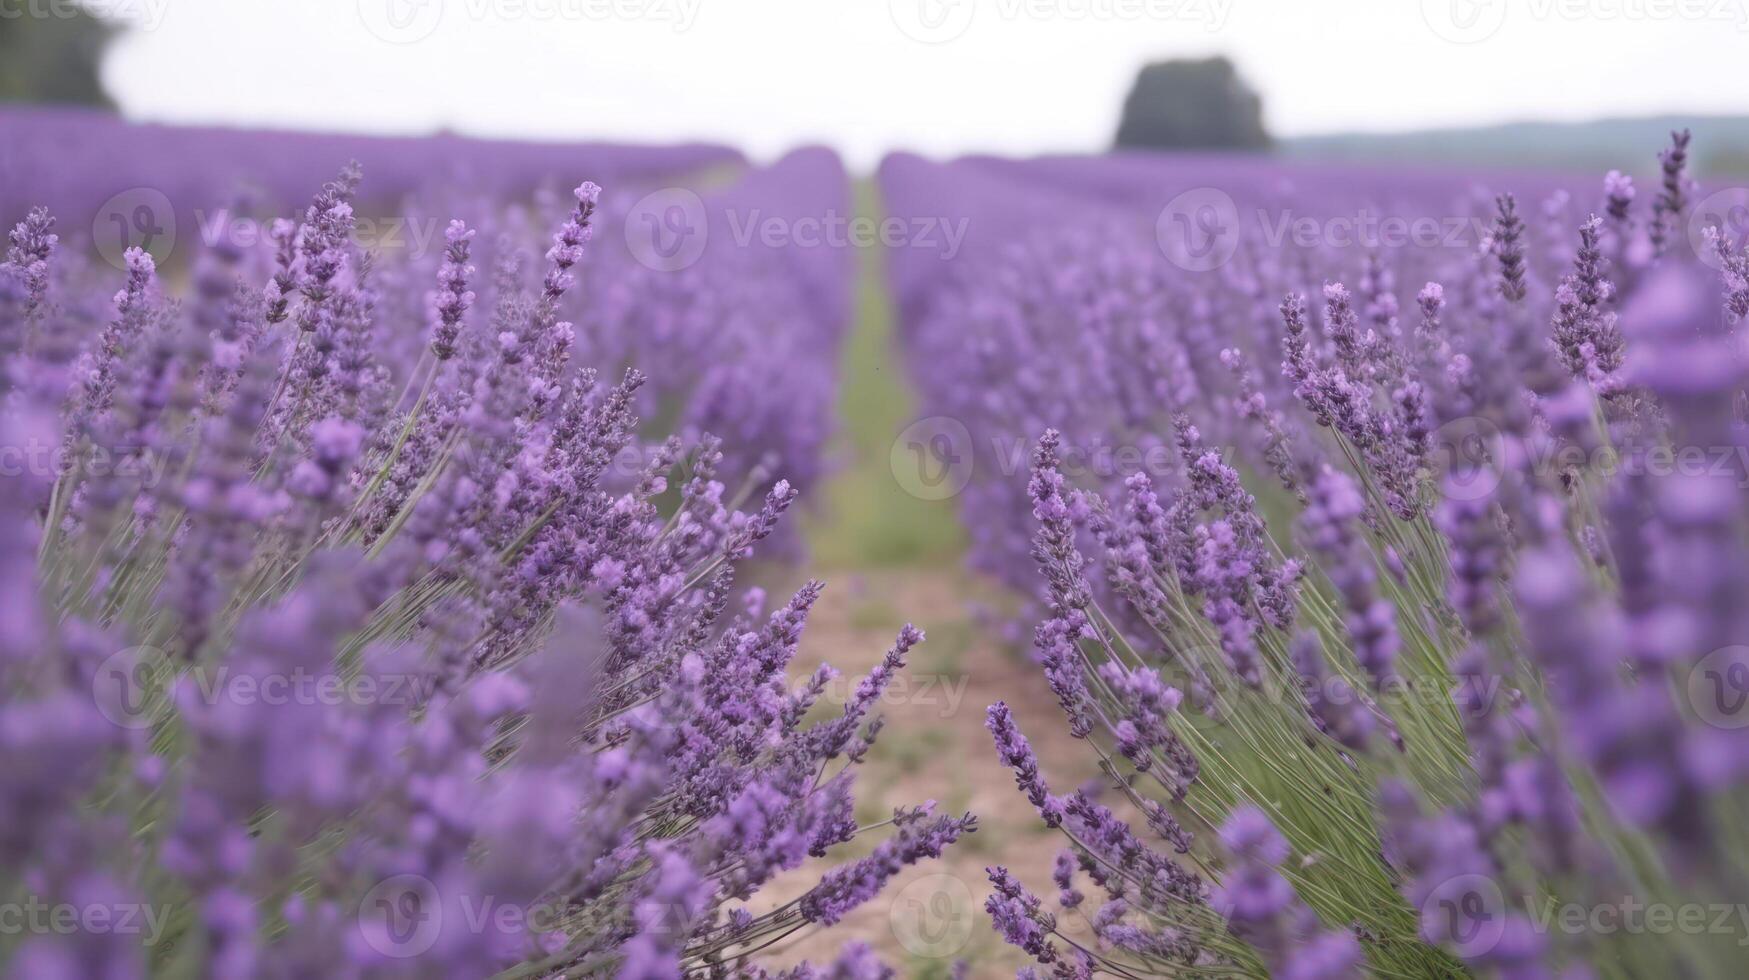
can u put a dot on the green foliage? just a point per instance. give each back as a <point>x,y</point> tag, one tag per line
<point>52,55</point>
<point>868,520</point>
<point>1192,105</point>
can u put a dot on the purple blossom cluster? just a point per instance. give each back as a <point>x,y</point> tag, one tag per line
<point>1412,575</point>
<point>337,635</point>
<point>749,333</point>
<point>749,330</point>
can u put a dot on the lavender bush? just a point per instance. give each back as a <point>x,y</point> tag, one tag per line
<point>73,161</point>
<point>1411,571</point>
<point>713,318</point>
<point>342,641</point>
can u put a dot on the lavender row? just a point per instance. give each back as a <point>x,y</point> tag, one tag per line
<point>359,625</point>
<point>711,307</point>
<point>93,170</point>
<point>1392,579</point>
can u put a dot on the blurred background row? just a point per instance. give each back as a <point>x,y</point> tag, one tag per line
<point>1544,83</point>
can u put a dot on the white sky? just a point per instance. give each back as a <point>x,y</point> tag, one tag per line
<point>1004,75</point>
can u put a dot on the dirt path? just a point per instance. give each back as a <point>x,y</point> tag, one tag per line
<point>934,747</point>
<point>889,558</point>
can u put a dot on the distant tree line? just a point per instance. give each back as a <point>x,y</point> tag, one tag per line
<point>1192,105</point>
<point>50,53</point>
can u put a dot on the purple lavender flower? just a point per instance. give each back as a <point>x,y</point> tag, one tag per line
<point>31,244</point>
<point>1016,753</point>
<point>1508,249</point>
<point>525,680</point>
<point>1331,523</point>
<point>1618,196</point>
<point>1585,334</point>
<point>453,296</point>
<point>1261,906</point>
<point>1672,202</point>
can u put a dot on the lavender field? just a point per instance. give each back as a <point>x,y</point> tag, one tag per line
<point>1237,568</point>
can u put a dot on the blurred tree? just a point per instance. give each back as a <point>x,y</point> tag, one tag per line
<point>49,52</point>
<point>1192,105</point>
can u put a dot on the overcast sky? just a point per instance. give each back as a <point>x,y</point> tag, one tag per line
<point>938,76</point>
